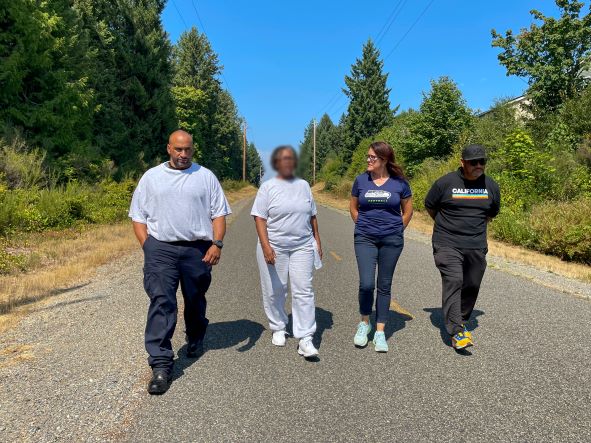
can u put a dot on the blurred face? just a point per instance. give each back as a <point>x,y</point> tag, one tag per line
<point>285,163</point>
<point>374,163</point>
<point>180,149</point>
<point>473,169</point>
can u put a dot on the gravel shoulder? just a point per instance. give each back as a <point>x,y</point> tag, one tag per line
<point>76,367</point>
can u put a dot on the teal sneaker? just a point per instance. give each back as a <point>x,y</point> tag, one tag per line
<point>379,340</point>
<point>363,330</point>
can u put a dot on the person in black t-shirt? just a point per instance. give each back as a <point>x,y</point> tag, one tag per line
<point>462,203</point>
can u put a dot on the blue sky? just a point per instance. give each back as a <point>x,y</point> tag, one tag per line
<point>285,61</point>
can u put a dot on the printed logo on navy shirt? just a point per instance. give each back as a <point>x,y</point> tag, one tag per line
<point>377,196</point>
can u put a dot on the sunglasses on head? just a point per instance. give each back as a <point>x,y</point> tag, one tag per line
<point>477,161</point>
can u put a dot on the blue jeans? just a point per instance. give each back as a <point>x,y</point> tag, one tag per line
<point>383,252</point>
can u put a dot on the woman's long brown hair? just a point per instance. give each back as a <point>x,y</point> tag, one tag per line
<point>385,152</point>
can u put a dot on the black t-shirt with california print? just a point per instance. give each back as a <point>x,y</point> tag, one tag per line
<point>463,208</point>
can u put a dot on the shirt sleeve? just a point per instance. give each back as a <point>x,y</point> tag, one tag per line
<point>433,197</point>
<point>495,206</point>
<point>260,207</point>
<point>406,191</point>
<point>138,209</point>
<point>219,205</point>
<point>355,189</point>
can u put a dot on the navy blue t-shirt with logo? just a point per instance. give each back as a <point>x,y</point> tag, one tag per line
<point>379,206</point>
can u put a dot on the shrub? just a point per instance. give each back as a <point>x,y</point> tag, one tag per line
<point>234,185</point>
<point>563,229</point>
<point>426,174</point>
<point>21,167</point>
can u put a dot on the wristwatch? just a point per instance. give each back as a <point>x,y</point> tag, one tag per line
<point>218,243</point>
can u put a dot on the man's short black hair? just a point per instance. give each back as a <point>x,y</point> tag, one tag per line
<point>277,152</point>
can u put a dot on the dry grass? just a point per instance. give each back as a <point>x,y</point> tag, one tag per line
<point>65,259</point>
<point>421,222</point>
<point>14,354</point>
<point>246,192</point>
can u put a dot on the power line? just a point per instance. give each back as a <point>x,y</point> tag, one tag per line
<point>379,37</point>
<point>205,33</point>
<point>198,17</point>
<point>410,29</point>
<point>330,103</point>
<point>395,13</point>
<point>179,13</point>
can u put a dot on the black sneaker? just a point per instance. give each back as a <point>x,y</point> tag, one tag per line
<point>194,348</point>
<point>160,382</point>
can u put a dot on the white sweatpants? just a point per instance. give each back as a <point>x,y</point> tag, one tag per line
<point>298,266</point>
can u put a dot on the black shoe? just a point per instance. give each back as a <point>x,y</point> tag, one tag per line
<point>194,348</point>
<point>160,382</point>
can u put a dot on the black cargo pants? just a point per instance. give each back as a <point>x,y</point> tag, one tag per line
<point>461,274</point>
<point>166,264</point>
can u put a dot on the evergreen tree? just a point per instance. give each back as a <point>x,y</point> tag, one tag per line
<point>254,165</point>
<point>305,156</point>
<point>211,115</point>
<point>195,62</point>
<point>132,77</point>
<point>369,107</point>
<point>44,90</point>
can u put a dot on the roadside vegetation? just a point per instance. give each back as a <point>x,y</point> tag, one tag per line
<point>539,149</point>
<point>89,92</point>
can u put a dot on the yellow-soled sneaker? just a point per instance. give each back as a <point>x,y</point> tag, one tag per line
<point>461,341</point>
<point>468,334</point>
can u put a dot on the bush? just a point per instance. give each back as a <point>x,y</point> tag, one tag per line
<point>21,167</point>
<point>234,185</point>
<point>563,229</point>
<point>427,173</point>
<point>61,207</point>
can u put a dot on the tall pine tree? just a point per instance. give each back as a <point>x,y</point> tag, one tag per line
<point>132,76</point>
<point>369,107</point>
<point>204,108</point>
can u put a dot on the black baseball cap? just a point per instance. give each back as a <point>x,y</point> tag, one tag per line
<point>473,152</point>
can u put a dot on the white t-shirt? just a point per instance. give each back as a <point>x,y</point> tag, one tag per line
<point>287,205</point>
<point>178,204</point>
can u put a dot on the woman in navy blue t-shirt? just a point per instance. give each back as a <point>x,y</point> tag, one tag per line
<point>381,207</point>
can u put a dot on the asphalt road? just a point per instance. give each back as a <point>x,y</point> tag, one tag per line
<point>526,380</point>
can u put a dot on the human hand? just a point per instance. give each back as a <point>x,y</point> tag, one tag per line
<point>269,254</point>
<point>212,256</point>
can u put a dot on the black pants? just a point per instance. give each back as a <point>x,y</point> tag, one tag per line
<point>165,266</point>
<point>461,274</point>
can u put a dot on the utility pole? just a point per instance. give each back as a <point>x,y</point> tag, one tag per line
<point>260,172</point>
<point>314,155</point>
<point>244,152</point>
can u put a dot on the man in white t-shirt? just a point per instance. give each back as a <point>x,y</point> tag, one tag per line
<point>178,212</point>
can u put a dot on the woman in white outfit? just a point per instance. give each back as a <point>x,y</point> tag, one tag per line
<point>288,248</point>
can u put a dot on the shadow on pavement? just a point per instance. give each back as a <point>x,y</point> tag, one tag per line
<point>396,322</point>
<point>221,335</point>
<point>437,321</point>
<point>323,322</point>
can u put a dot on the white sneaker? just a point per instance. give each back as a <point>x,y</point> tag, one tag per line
<point>279,337</point>
<point>306,348</point>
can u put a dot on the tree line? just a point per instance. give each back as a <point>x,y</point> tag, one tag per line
<point>539,149</point>
<point>97,86</point>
